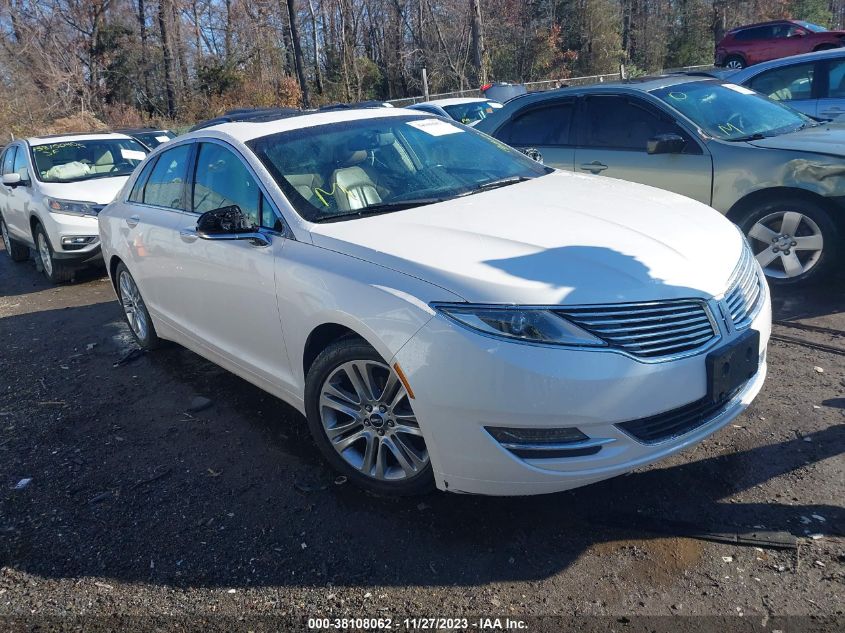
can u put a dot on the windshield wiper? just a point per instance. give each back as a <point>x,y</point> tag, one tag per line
<point>751,137</point>
<point>378,209</point>
<point>495,184</point>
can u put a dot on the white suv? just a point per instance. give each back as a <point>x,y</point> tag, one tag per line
<point>52,190</point>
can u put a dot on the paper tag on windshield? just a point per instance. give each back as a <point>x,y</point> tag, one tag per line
<point>162,139</point>
<point>435,127</point>
<point>740,89</point>
<point>132,154</point>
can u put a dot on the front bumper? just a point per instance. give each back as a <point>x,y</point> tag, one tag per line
<point>61,226</point>
<point>464,382</point>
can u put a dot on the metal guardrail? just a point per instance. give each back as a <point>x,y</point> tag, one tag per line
<point>538,86</point>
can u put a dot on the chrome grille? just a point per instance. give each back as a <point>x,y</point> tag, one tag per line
<point>648,330</point>
<point>745,294</point>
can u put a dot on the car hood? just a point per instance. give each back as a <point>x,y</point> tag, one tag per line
<point>559,239</point>
<point>827,139</point>
<point>97,190</point>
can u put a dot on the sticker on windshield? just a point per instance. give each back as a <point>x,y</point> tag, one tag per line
<point>740,89</point>
<point>162,139</point>
<point>435,127</point>
<point>132,154</point>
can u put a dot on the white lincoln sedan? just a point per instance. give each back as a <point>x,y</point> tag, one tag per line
<point>443,310</point>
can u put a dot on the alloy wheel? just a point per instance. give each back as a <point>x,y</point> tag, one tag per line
<point>133,305</point>
<point>786,244</point>
<point>367,417</point>
<point>734,64</point>
<point>44,254</point>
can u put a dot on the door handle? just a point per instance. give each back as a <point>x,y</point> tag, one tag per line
<point>595,167</point>
<point>188,235</point>
<point>132,221</point>
<point>833,110</point>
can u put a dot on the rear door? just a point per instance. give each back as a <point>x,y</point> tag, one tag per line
<point>16,200</point>
<point>831,104</point>
<point>613,135</point>
<point>797,85</point>
<point>546,129</point>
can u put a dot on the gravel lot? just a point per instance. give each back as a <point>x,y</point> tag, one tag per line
<point>137,507</point>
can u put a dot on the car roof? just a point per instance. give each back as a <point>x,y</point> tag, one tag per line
<point>640,84</point>
<point>457,101</point>
<point>89,136</point>
<point>245,131</point>
<point>756,24</point>
<point>782,62</point>
<point>141,130</point>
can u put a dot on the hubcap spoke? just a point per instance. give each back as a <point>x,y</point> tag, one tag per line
<point>343,407</point>
<point>792,265</point>
<point>408,430</point>
<point>370,454</point>
<point>342,429</point>
<point>766,257</point>
<point>809,243</point>
<point>791,220</point>
<point>404,462</point>
<point>346,442</point>
<point>359,377</point>
<point>762,233</point>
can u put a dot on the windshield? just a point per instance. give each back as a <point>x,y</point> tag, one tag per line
<point>815,28</point>
<point>154,139</point>
<point>71,161</point>
<point>471,112</point>
<point>730,112</point>
<point>345,170</point>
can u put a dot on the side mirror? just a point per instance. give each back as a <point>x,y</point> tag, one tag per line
<point>12,180</point>
<point>229,223</point>
<point>666,144</point>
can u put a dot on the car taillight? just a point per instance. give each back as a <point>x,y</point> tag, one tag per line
<point>486,87</point>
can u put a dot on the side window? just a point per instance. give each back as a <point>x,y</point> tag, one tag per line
<point>619,123</point>
<point>20,165</point>
<point>137,194</point>
<point>165,187</point>
<point>787,83</point>
<point>269,216</point>
<point>540,126</point>
<point>9,160</point>
<point>222,180</point>
<point>836,79</point>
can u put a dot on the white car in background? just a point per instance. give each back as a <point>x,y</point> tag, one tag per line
<point>467,110</point>
<point>52,189</point>
<point>441,308</point>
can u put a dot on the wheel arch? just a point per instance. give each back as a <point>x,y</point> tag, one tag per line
<point>774,194</point>
<point>324,335</point>
<point>112,268</point>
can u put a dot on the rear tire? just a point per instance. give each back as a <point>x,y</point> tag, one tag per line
<point>734,62</point>
<point>17,251</point>
<point>794,240</point>
<point>54,269</point>
<point>135,310</point>
<point>376,442</point>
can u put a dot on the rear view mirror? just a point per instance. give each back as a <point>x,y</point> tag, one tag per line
<point>666,144</point>
<point>12,180</point>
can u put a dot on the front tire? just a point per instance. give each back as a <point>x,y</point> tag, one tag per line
<point>17,251</point>
<point>54,269</point>
<point>135,310</point>
<point>734,62</point>
<point>360,417</point>
<point>794,240</point>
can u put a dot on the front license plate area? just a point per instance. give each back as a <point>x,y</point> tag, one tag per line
<point>731,366</point>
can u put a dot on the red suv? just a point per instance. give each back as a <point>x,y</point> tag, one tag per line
<point>755,43</point>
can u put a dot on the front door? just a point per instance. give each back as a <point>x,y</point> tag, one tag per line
<point>543,132</point>
<point>227,288</point>
<point>615,130</point>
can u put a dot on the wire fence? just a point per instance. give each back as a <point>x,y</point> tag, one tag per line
<point>546,84</point>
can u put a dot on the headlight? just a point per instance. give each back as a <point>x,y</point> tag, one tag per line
<point>530,325</point>
<point>72,207</point>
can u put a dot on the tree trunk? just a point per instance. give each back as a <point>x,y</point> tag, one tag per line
<point>479,71</point>
<point>318,77</point>
<point>299,63</point>
<point>169,86</point>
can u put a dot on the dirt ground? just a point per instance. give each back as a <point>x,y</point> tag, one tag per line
<point>138,509</point>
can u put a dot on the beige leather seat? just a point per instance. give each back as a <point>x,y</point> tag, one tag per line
<point>104,164</point>
<point>305,185</point>
<point>353,187</point>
